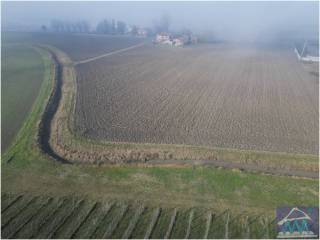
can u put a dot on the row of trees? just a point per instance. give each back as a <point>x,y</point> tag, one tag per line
<point>162,24</point>
<point>107,26</point>
<point>111,27</point>
<point>66,26</point>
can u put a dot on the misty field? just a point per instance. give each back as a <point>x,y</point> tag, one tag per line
<point>77,46</point>
<point>231,96</point>
<point>42,198</point>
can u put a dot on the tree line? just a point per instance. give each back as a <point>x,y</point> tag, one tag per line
<point>66,26</point>
<point>111,27</point>
<point>107,26</point>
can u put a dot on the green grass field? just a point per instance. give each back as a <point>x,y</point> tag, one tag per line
<point>22,74</point>
<point>26,170</point>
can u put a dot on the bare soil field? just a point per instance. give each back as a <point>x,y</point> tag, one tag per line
<point>244,97</point>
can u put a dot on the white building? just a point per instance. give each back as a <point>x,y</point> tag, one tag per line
<point>163,37</point>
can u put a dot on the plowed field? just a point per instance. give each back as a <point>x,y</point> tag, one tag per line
<point>245,97</point>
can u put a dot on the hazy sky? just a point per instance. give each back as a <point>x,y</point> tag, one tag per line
<point>228,19</point>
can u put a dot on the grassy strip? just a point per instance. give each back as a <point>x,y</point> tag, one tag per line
<point>115,221</point>
<point>140,229</point>
<point>32,226</point>
<point>208,224</point>
<point>153,222</point>
<point>81,220</point>
<point>124,222</point>
<point>217,226</point>
<point>44,219</point>
<point>23,145</point>
<point>9,216</point>
<point>172,223</point>
<point>64,220</point>
<point>90,226</point>
<point>199,223</point>
<point>20,222</point>
<point>226,232</point>
<point>74,221</point>
<point>180,227</point>
<point>189,224</point>
<point>43,215</point>
<point>22,71</point>
<point>133,222</point>
<point>49,227</point>
<point>9,203</point>
<point>162,224</point>
<point>106,220</point>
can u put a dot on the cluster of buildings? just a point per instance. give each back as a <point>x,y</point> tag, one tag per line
<point>175,40</point>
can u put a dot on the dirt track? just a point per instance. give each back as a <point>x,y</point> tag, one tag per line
<point>108,54</point>
<point>54,101</point>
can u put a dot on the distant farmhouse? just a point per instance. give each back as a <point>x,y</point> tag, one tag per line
<point>138,31</point>
<point>175,40</point>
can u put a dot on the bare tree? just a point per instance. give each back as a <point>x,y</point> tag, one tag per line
<point>113,26</point>
<point>134,30</point>
<point>163,24</point>
<point>43,28</point>
<point>121,27</point>
<point>103,27</point>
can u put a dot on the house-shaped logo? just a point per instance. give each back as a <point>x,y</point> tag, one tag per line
<point>297,222</point>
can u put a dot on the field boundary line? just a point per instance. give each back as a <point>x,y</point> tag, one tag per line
<point>108,54</point>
